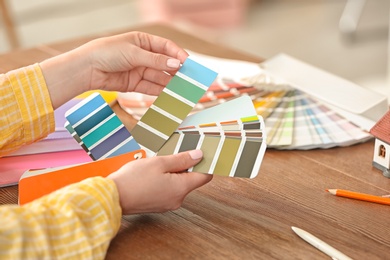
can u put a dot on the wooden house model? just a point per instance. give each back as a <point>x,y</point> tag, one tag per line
<point>381,132</point>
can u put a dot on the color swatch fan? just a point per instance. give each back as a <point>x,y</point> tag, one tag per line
<point>98,129</point>
<point>232,146</point>
<point>232,140</point>
<point>294,119</point>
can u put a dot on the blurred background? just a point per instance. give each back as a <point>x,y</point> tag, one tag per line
<point>347,38</point>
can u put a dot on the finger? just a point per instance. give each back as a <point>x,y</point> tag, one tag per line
<point>161,45</point>
<point>181,161</point>
<point>154,60</point>
<point>148,88</point>
<point>157,76</point>
<point>194,180</point>
<point>149,75</point>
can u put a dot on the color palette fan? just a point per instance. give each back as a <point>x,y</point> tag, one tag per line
<point>232,140</point>
<point>293,118</point>
<point>234,148</point>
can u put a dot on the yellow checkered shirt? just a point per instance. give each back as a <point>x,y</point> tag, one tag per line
<point>77,221</point>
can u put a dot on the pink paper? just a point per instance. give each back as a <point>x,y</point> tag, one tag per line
<point>12,168</point>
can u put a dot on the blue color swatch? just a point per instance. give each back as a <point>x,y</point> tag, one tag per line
<point>99,128</point>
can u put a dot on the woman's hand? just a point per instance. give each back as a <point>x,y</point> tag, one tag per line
<point>133,61</point>
<point>158,184</point>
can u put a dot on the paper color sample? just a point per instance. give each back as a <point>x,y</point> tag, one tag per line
<point>233,148</point>
<point>236,108</point>
<point>173,105</point>
<point>102,133</point>
<point>284,133</point>
<point>35,184</point>
<point>304,131</point>
<point>274,121</point>
<point>251,126</point>
<point>266,103</point>
<point>295,120</point>
<point>225,156</point>
<point>12,168</point>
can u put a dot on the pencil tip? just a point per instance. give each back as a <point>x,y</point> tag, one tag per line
<point>294,228</point>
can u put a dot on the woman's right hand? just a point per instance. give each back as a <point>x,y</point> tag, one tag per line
<point>158,184</point>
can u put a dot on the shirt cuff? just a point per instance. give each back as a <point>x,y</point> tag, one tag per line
<point>33,99</point>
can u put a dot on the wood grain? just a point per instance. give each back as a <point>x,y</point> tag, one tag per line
<point>251,219</point>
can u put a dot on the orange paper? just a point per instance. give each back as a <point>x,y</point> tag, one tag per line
<point>36,183</point>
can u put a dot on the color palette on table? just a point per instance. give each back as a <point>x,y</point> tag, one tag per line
<point>293,119</point>
<point>298,121</point>
<point>98,129</point>
<point>173,105</point>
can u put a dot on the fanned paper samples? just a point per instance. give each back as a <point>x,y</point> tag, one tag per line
<point>232,140</point>
<point>298,114</point>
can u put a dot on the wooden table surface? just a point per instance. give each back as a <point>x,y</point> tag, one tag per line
<point>233,218</point>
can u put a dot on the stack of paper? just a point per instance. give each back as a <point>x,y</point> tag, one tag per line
<point>58,149</point>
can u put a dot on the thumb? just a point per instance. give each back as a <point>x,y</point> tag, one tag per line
<point>156,61</point>
<point>184,160</point>
<point>194,180</point>
<point>181,161</point>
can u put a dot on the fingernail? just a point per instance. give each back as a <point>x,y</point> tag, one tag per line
<point>173,63</point>
<point>196,154</point>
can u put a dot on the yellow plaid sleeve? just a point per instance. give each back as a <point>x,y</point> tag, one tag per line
<point>26,112</point>
<point>77,221</point>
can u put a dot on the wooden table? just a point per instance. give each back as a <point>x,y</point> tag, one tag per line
<point>251,219</point>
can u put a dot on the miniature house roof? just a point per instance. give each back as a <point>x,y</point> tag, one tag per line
<point>381,129</point>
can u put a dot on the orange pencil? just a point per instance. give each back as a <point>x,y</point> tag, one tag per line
<point>360,196</point>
